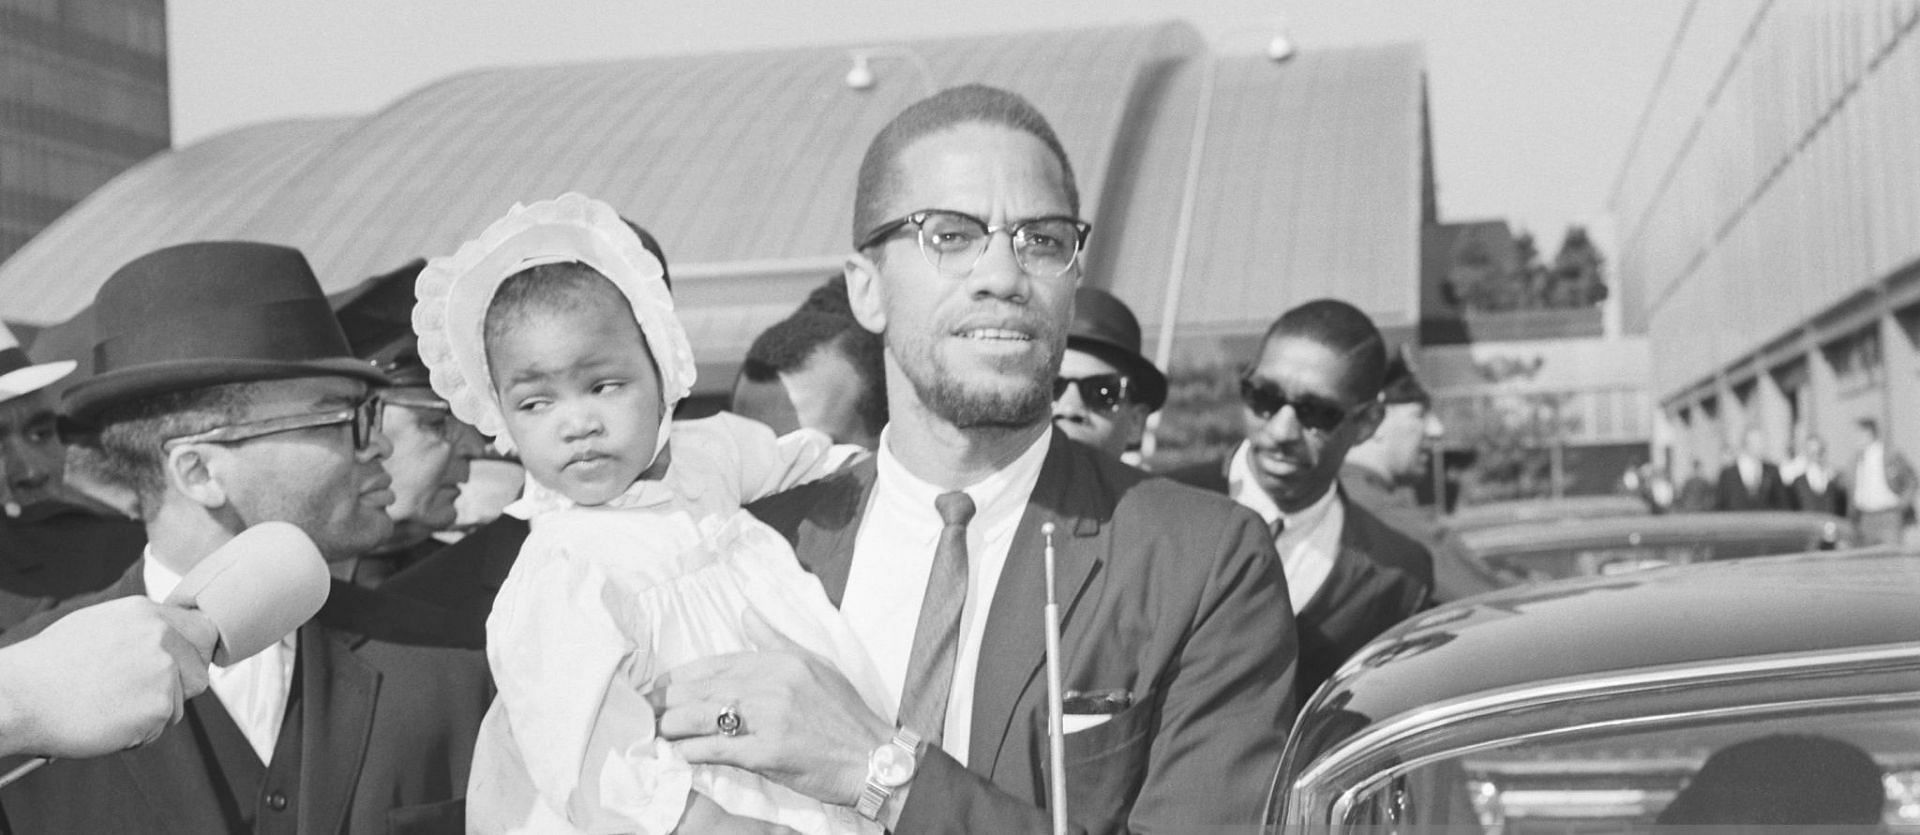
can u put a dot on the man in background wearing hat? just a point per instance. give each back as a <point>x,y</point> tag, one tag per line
<point>225,396</point>
<point>431,448</point>
<point>1309,397</point>
<point>1106,389</point>
<point>1380,469</point>
<point>55,542</point>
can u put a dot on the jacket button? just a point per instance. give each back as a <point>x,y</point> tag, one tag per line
<point>277,802</point>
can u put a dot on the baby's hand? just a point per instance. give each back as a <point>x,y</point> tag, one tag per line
<point>705,817</point>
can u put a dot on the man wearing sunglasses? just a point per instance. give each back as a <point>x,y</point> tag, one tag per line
<point>1310,397</point>
<point>1176,636</point>
<point>224,395</point>
<point>1105,389</point>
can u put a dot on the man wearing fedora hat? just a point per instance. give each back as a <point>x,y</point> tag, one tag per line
<point>1105,389</point>
<point>55,543</point>
<point>225,396</point>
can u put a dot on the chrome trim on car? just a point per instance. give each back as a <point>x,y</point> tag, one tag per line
<point>1398,728</point>
<point>1343,805</point>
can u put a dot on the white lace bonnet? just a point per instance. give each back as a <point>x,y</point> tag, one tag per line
<point>454,291</point>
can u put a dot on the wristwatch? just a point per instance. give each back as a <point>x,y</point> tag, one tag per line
<point>889,767</point>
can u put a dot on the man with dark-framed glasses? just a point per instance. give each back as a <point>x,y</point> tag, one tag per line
<point>1311,395</point>
<point>1106,388</point>
<point>1178,641</point>
<point>224,396</point>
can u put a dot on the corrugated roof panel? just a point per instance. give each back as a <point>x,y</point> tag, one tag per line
<point>173,197</point>
<point>1334,136</point>
<point>743,165</point>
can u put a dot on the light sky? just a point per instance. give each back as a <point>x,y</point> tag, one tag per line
<point>1533,102</point>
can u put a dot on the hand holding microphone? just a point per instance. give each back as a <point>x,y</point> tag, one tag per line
<point>103,679</point>
<point>114,675</point>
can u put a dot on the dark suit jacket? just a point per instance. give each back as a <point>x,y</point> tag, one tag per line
<point>1731,492</point>
<point>1165,592</point>
<point>464,577</point>
<point>387,732</point>
<point>1380,578</point>
<point>56,550</point>
<point>1833,500</point>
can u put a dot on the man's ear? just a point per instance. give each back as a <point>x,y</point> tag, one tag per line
<point>191,472</point>
<point>866,293</point>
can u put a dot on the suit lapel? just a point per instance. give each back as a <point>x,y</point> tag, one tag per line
<point>1013,649</point>
<point>171,773</point>
<point>337,691</point>
<point>824,540</point>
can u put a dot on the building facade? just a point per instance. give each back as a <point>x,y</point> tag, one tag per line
<point>83,96</point>
<point>1769,214</point>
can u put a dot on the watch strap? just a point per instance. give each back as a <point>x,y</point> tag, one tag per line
<point>874,794</point>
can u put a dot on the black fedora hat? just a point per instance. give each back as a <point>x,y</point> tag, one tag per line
<point>1104,327</point>
<point>202,314</point>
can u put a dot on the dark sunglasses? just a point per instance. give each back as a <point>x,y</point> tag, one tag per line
<point>1265,400</point>
<point>1101,392</point>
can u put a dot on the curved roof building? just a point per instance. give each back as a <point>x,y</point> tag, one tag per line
<point>1312,178</point>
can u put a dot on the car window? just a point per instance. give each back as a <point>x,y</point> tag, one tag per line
<point>1860,767</point>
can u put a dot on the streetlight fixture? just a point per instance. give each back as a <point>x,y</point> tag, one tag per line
<point>861,77</point>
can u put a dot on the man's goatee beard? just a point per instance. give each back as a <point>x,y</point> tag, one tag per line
<point>948,399</point>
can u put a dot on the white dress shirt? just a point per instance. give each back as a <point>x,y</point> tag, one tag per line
<point>254,691</point>
<point>1308,543</point>
<point>1871,492</point>
<point>893,556</point>
<point>1749,468</point>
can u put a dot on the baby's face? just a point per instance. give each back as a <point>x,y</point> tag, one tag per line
<point>581,399</point>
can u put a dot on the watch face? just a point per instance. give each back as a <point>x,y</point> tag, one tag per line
<point>892,766</point>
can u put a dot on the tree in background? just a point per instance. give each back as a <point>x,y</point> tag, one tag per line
<point>1576,279</point>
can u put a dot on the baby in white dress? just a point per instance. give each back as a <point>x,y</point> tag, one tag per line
<point>554,331</point>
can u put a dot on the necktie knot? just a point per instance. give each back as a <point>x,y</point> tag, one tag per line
<point>956,508</point>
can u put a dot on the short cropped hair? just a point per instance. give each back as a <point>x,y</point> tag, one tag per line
<point>971,104</point>
<point>1345,331</point>
<point>126,449</point>
<point>790,343</point>
<point>561,287</point>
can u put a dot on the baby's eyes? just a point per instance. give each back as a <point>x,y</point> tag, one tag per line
<point>608,386</point>
<point>532,404</point>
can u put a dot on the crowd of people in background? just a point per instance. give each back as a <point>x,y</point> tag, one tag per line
<point>1875,492</point>
<point>979,400</point>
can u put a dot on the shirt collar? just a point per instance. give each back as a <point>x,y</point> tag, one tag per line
<point>1246,490</point>
<point>1003,493</point>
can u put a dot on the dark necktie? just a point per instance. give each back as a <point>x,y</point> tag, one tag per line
<point>936,640</point>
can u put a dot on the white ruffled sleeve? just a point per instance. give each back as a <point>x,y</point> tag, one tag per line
<point>569,655</point>
<point>768,465</point>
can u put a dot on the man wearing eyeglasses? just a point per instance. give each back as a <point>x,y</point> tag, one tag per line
<point>1176,640</point>
<point>1310,397</point>
<point>1105,389</point>
<point>224,395</point>
<point>432,450</point>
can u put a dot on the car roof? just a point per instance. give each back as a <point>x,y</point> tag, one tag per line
<point>1669,616</point>
<point>1672,527</point>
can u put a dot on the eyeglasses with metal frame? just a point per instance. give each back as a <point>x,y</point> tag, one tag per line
<point>1265,400</point>
<point>441,423</point>
<point>363,418</point>
<point>1100,392</point>
<point>953,241</point>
